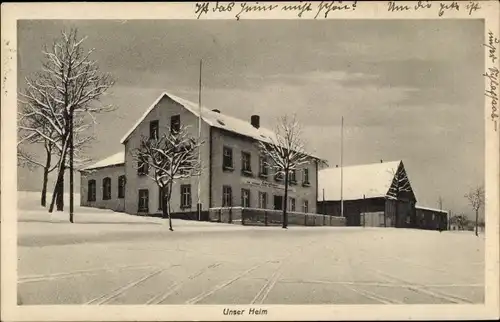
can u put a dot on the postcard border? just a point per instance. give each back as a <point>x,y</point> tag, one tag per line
<point>374,10</point>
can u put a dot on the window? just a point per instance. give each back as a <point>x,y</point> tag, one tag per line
<point>142,168</point>
<point>121,186</point>
<point>246,166</point>
<point>263,167</point>
<point>161,197</point>
<point>278,176</point>
<point>305,206</point>
<point>106,188</point>
<point>292,176</point>
<point>292,204</point>
<point>143,205</point>
<point>91,193</point>
<point>245,198</point>
<point>227,158</point>
<point>175,124</point>
<point>227,196</point>
<point>186,196</point>
<point>278,202</point>
<point>154,130</point>
<point>305,180</point>
<point>262,200</point>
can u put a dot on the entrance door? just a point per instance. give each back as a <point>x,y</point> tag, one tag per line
<point>278,202</point>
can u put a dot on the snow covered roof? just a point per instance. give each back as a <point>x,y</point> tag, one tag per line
<point>431,209</point>
<point>214,119</point>
<point>370,180</point>
<point>115,159</point>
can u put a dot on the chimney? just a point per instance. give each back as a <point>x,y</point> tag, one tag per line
<point>255,121</point>
<point>216,110</point>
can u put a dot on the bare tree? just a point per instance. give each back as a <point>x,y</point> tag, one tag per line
<point>400,185</point>
<point>171,156</point>
<point>476,199</point>
<point>27,160</point>
<point>39,123</point>
<point>285,153</point>
<point>459,220</point>
<point>35,129</point>
<point>69,85</point>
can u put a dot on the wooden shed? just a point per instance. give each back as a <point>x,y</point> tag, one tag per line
<point>378,194</point>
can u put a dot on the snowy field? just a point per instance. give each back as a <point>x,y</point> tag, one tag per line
<point>114,258</point>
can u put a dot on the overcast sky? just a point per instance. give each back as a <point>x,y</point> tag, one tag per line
<point>409,90</point>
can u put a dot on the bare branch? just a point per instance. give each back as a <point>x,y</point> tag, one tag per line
<point>24,159</point>
<point>69,84</point>
<point>172,156</point>
<point>285,152</point>
<point>476,197</point>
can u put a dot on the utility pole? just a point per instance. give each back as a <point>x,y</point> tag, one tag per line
<point>342,168</point>
<point>324,205</point>
<point>364,211</point>
<point>198,205</point>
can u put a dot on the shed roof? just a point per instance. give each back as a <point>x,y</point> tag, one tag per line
<point>215,119</point>
<point>371,180</point>
<point>115,159</point>
<point>431,209</point>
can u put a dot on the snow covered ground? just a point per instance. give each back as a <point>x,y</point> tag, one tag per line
<point>114,258</point>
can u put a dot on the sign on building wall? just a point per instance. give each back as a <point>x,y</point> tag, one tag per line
<point>266,184</point>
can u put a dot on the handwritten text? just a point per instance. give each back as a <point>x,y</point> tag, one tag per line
<point>492,46</point>
<point>492,77</point>
<point>442,7</point>
<point>326,6</point>
<point>245,9</point>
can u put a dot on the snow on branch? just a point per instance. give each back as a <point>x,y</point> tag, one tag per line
<point>285,152</point>
<point>69,83</point>
<point>73,79</point>
<point>476,197</point>
<point>27,160</point>
<point>172,156</point>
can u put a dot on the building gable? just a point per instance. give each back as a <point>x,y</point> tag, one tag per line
<point>150,109</point>
<point>400,185</point>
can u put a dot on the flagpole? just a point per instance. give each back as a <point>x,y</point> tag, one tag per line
<point>324,206</point>
<point>342,168</point>
<point>198,206</point>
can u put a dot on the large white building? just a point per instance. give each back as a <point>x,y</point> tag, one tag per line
<point>235,172</point>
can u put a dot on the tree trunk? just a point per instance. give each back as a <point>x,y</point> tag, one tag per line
<point>60,192</point>
<point>164,212</point>
<point>285,215</point>
<point>169,210</point>
<point>43,200</point>
<point>60,174</point>
<point>55,195</point>
<point>477,217</point>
